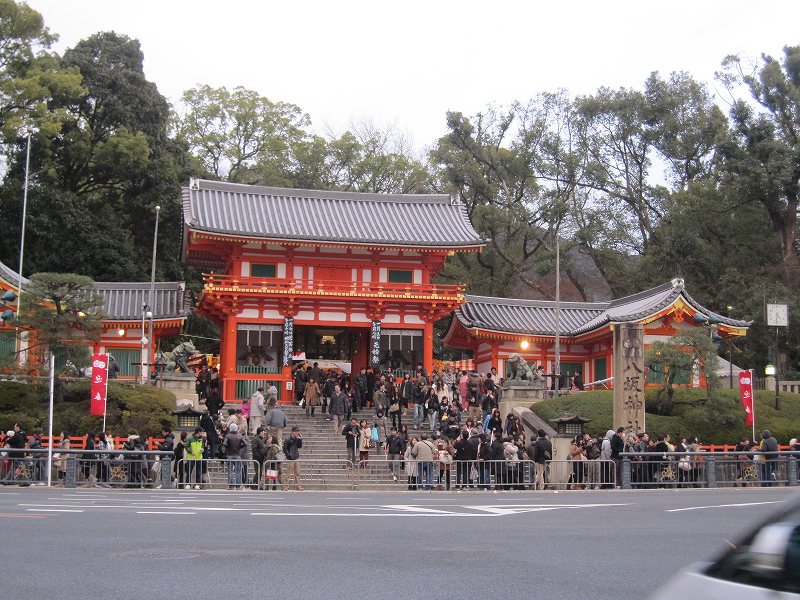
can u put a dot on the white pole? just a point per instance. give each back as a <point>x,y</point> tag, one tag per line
<point>28,132</point>
<point>753,405</point>
<point>142,348</point>
<point>557,369</point>
<point>50,420</point>
<point>152,293</point>
<point>105,399</point>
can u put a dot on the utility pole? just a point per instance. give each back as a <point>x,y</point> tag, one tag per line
<point>557,369</point>
<point>28,134</point>
<point>151,299</point>
<point>777,374</point>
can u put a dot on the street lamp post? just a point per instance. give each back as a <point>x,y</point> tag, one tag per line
<point>777,373</point>
<point>28,134</point>
<point>730,354</point>
<point>557,369</point>
<point>143,350</point>
<point>151,298</point>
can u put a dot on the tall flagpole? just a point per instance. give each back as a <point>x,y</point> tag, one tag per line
<point>105,400</point>
<point>28,133</point>
<point>152,295</point>
<point>557,369</point>
<point>50,420</point>
<point>753,407</point>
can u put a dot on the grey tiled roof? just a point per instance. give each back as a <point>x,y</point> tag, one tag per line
<point>524,316</point>
<point>11,275</point>
<point>537,317</point>
<point>437,220</point>
<point>124,301</point>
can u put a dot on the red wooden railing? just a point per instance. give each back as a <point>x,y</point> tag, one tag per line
<point>215,282</point>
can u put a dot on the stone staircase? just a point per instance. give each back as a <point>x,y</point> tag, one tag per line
<point>324,458</point>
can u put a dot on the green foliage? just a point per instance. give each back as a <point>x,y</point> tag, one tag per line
<point>96,179</point>
<point>760,156</point>
<point>717,421</point>
<point>63,309</point>
<point>30,75</point>
<point>107,149</point>
<point>240,136</point>
<point>142,408</point>
<point>692,346</point>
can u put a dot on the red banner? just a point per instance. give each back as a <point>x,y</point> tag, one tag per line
<point>99,383</point>
<point>746,392</point>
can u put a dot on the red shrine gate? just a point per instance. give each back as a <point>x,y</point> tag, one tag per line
<point>340,276</point>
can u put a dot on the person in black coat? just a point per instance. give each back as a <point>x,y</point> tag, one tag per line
<point>351,432</point>
<point>617,447</point>
<point>212,439</point>
<point>465,455</point>
<point>214,402</point>
<point>542,453</point>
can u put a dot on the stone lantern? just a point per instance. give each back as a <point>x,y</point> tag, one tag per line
<point>571,424</point>
<point>188,418</point>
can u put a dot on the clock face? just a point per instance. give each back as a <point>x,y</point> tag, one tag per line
<point>777,315</point>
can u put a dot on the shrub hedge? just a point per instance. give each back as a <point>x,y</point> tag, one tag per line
<point>145,409</point>
<point>716,421</point>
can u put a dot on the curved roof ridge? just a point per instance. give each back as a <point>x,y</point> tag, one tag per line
<point>286,215</point>
<point>263,190</point>
<point>12,275</point>
<point>535,303</point>
<point>676,283</point>
<point>537,317</point>
<point>135,285</point>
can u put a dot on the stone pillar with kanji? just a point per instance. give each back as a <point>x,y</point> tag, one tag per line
<point>629,380</point>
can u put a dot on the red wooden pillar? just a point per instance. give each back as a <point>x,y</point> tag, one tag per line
<point>427,345</point>
<point>228,358</point>
<point>495,364</point>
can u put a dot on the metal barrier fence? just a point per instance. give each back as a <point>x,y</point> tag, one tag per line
<point>71,468</point>
<point>217,473</point>
<point>24,470</point>
<point>708,469</point>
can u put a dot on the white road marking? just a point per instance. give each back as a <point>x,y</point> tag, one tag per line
<point>194,506</point>
<point>390,515</point>
<point>513,509</point>
<point>164,512</point>
<point>723,506</point>
<point>415,509</point>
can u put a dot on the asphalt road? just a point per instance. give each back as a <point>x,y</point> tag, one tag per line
<point>122,544</point>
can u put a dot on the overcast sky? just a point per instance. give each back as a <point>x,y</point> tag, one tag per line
<point>410,62</point>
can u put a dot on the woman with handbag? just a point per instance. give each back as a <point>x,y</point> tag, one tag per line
<point>272,466</point>
<point>364,443</point>
<point>381,424</point>
<point>396,413</point>
<point>312,395</point>
<point>411,467</point>
<point>445,457</point>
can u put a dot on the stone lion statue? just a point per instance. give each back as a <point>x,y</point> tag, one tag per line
<point>520,370</point>
<point>177,360</point>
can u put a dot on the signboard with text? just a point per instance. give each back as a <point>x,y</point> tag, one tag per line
<point>99,389</point>
<point>375,344</point>
<point>746,392</point>
<point>288,341</point>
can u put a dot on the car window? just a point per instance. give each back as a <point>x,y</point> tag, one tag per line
<point>768,557</point>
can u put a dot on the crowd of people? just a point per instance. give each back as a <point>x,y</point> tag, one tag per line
<point>440,429</point>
